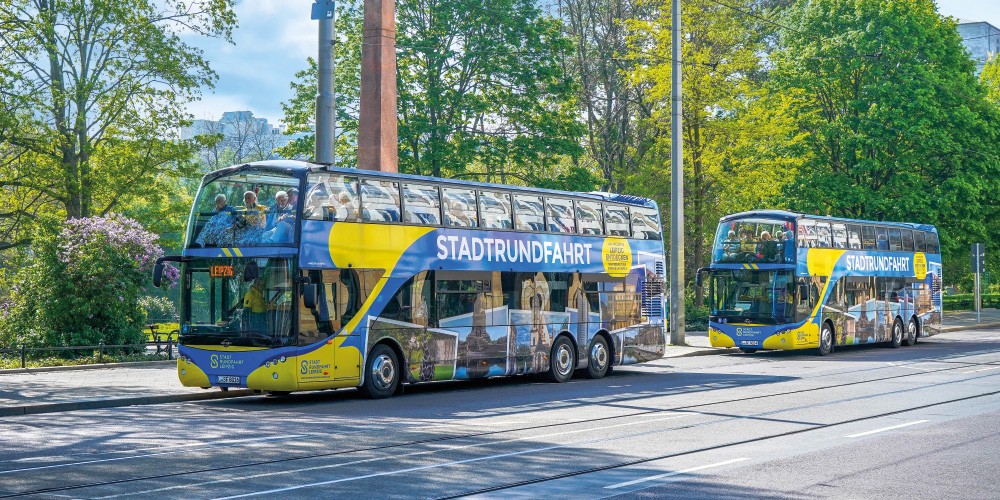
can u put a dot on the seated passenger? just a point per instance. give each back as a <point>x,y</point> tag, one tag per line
<point>767,249</point>
<point>214,231</point>
<point>346,210</point>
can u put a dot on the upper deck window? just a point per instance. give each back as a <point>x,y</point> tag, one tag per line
<point>616,219</point>
<point>560,215</point>
<point>839,235</point>
<point>332,197</point>
<point>645,223</point>
<point>495,210</point>
<point>756,239</point>
<point>907,239</point>
<point>248,208</point>
<point>931,243</point>
<point>868,237</point>
<point>379,201</point>
<point>460,207</point>
<point>422,203</point>
<point>823,235</point>
<point>529,213</point>
<point>854,237</point>
<point>588,217</point>
<point>918,241</point>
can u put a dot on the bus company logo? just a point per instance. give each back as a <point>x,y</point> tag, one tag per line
<point>214,361</point>
<point>304,367</point>
<point>746,332</point>
<point>617,256</point>
<point>920,265</point>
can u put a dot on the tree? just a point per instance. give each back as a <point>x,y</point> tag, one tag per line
<point>739,147</point>
<point>613,106</point>
<point>98,82</point>
<point>238,137</point>
<point>897,125</point>
<point>481,89</point>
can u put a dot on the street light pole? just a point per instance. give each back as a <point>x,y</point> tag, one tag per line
<point>677,188</point>
<point>326,100</point>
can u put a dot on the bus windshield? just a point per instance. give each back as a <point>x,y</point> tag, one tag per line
<point>249,208</point>
<point>746,296</point>
<point>222,308</point>
<point>754,240</point>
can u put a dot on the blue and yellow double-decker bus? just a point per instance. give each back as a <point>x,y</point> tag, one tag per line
<point>783,280</point>
<point>298,276</point>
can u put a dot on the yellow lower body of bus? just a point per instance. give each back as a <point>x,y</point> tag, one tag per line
<point>803,337</point>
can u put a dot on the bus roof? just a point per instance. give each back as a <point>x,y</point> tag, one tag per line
<point>303,167</point>
<point>791,216</point>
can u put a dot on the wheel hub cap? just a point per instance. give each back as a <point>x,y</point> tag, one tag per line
<point>598,356</point>
<point>383,372</point>
<point>563,357</point>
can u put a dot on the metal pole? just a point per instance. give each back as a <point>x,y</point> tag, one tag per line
<point>677,188</point>
<point>326,101</point>
<point>977,300</point>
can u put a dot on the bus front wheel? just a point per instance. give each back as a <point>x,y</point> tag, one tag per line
<point>381,373</point>
<point>911,333</point>
<point>826,339</point>
<point>562,361</point>
<point>897,334</point>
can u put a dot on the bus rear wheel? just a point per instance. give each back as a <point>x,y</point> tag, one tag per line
<point>562,361</point>
<point>598,358</point>
<point>911,333</point>
<point>897,334</point>
<point>381,373</point>
<point>826,339</point>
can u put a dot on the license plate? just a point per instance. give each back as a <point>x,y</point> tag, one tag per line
<point>749,342</point>
<point>229,379</point>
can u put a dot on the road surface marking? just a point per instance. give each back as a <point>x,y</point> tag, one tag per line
<point>674,473</point>
<point>886,429</point>
<point>983,369</point>
<point>417,453</point>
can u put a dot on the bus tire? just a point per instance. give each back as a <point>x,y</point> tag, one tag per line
<point>562,360</point>
<point>897,334</point>
<point>911,332</point>
<point>598,358</point>
<point>381,373</point>
<point>825,339</point>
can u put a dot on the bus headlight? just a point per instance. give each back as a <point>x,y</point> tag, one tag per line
<point>275,376</point>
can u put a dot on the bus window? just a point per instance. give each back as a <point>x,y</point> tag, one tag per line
<point>894,243</point>
<point>528,211</point>
<point>881,239</point>
<point>560,215</point>
<point>617,220</point>
<point>868,237</point>
<point>460,207</point>
<point>379,201</point>
<point>494,208</point>
<point>588,217</point>
<point>918,241</point>
<point>331,197</point>
<point>931,243</point>
<point>646,224</point>
<point>823,235</point>
<point>854,237</point>
<point>907,236</point>
<point>422,204</point>
<point>807,234</point>
<point>839,236</point>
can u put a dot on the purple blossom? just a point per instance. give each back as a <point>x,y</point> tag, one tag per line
<point>117,231</point>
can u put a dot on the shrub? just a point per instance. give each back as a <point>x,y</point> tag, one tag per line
<point>84,284</point>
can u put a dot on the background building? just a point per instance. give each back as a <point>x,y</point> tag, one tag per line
<point>981,39</point>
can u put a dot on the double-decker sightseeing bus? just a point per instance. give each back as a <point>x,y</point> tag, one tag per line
<point>325,278</point>
<point>783,280</point>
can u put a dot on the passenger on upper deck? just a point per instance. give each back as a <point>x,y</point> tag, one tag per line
<point>767,249</point>
<point>254,215</point>
<point>347,211</point>
<point>214,232</point>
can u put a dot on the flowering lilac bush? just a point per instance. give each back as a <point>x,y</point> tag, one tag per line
<point>85,283</point>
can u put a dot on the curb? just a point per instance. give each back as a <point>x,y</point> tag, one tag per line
<point>90,404</point>
<point>103,366</point>
<point>959,328</point>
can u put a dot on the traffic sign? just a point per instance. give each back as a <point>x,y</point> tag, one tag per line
<point>978,257</point>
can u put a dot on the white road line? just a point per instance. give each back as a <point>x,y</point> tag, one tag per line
<point>983,369</point>
<point>130,457</point>
<point>407,455</point>
<point>674,473</point>
<point>886,429</point>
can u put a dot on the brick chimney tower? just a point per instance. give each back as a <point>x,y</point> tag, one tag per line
<point>378,142</point>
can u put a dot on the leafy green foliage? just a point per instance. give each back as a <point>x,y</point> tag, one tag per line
<point>83,286</point>
<point>482,92</point>
<point>897,126</point>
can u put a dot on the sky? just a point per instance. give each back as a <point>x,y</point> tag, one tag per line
<point>275,37</point>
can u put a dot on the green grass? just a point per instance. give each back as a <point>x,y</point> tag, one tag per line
<point>8,362</point>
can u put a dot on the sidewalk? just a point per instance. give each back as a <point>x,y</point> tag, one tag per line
<point>46,390</point>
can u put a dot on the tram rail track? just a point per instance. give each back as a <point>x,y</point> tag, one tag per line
<point>471,435</point>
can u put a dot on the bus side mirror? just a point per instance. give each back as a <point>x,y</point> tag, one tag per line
<point>158,274</point>
<point>250,272</point>
<point>698,277</point>
<point>309,293</point>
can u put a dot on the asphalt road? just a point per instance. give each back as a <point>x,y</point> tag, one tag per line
<point>870,422</point>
